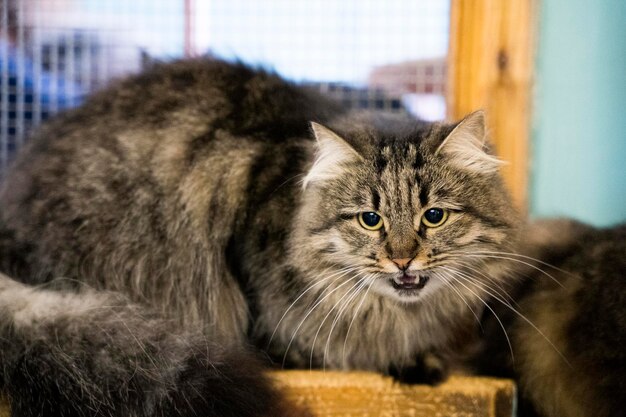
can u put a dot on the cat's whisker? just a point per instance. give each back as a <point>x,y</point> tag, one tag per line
<point>339,273</point>
<point>539,261</point>
<point>495,285</point>
<point>514,310</point>
<point>472,267</point>
<point>308,314</point>
<point>454,274</point>
<point>328,315</point>
<point>348,293</point>
<point>354,316</point>
<point>363,283</point>
<point>519,261</point>
<point>483,286</point>
<point>445,281</point>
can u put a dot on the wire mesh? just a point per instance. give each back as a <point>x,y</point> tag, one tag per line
<point>367,53</point>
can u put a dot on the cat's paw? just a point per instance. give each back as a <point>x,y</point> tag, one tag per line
<point>429,369</point>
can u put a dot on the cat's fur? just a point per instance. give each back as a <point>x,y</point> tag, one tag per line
<point>200,191</point>
<point>569,332</point>
<point>94,354</point>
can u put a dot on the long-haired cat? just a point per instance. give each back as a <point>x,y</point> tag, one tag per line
<point>184,213</point>
<point>564,321</point>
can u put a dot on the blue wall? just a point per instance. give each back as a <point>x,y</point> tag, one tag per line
<point>578,156</point>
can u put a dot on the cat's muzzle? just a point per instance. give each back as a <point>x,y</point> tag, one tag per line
<point>408,282</point>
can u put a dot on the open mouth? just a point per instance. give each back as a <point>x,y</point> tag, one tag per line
<point>409,282</point>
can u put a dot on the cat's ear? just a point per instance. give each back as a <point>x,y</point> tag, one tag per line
<point>332,154</point>
<point>466,146</point>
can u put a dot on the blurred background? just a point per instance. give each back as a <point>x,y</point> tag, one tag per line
<point>578,159</point>
<point>550,73</point>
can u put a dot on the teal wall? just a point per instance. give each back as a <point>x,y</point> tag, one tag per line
<point>578,153</point>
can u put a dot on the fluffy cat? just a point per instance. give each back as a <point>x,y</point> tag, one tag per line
<point>565,320</point>
<point>184,213</point>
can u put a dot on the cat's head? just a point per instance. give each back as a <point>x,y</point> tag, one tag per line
<point>407,207</point>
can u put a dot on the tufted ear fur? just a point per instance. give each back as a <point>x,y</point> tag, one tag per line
<point>466,146</point>
<point>332,154</point>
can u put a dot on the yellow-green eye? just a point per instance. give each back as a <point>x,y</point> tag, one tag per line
<point>435,217</point>
<point>370,220</point>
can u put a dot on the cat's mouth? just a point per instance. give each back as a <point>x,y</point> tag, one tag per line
<point>409,283</point>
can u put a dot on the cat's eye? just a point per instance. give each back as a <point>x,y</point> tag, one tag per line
<point>435,217</point>
<point>370,220</point>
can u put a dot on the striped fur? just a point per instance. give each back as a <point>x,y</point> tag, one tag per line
<point>568,337</point>
<point>181,189</point>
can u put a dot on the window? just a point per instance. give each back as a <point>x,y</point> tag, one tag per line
<point>387,55</point>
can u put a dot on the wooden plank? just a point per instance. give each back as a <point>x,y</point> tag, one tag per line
<point>491,67</point>
<point>363,394</point>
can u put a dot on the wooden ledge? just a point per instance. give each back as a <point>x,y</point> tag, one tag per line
<point>362,394</point>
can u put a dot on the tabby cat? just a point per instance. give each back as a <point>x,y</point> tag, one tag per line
<point>565,321</point>
<point>184,214</point>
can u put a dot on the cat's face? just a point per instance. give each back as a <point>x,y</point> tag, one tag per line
<point>406,213</point>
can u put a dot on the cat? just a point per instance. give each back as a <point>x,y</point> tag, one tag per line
<point>564,321</point>
<point>200,207</point>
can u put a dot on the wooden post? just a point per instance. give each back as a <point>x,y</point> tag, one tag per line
<point>491,67</point>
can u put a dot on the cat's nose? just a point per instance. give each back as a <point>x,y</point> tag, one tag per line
<point>402,263</point>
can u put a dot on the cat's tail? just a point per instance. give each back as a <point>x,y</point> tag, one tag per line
<point>89,353</point>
